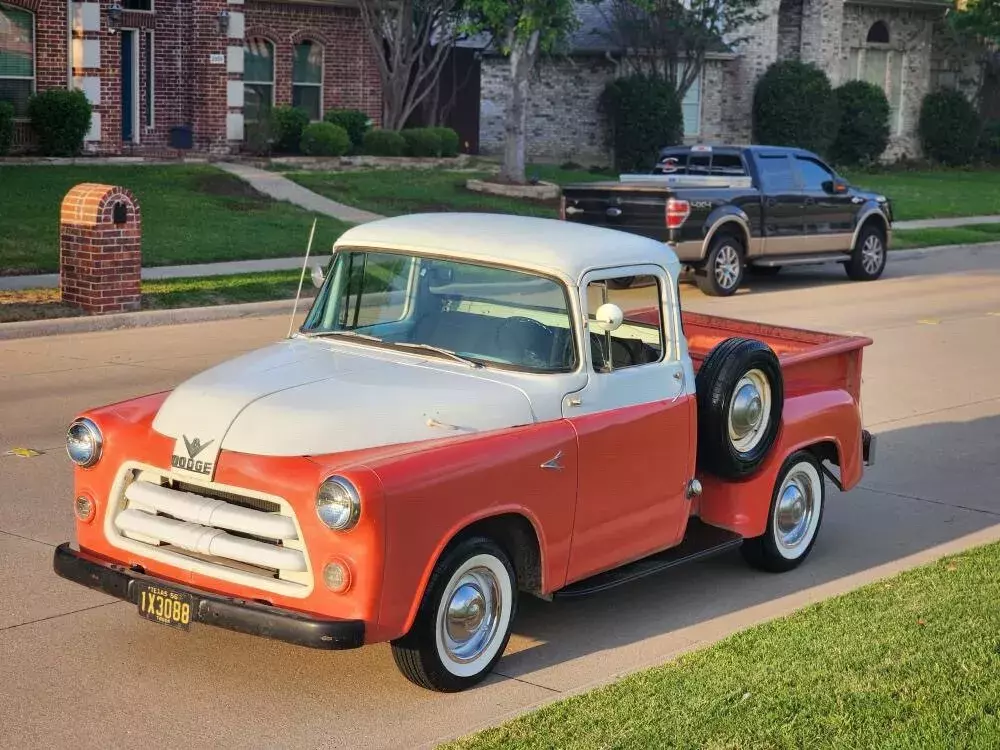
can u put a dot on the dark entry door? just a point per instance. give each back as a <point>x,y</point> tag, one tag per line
<point>128,84</point>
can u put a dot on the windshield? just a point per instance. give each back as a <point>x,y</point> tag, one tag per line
<point>484,315</point>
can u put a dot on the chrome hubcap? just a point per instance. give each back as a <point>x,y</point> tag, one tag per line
<point>796,506</point>
<point>750,411</point>
<point>472,615</point>
<point>871,254</point>
<point>727,267</point>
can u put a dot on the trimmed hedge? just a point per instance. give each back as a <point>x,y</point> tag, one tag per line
<point>287,126</point>
<point>61,120</point>
<point>380,142</point>
<point>6,127</point>
<point>450,141</point>
<point>864,124</point>
<point>794,105</point>
<point>325,139</point>
<point>354,121</point>
<point>989,142</point>
<point>642,115</point>
<point>421,142</point>
<point>949,127</point>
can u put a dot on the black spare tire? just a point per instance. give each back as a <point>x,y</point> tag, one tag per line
<point>740,399</point>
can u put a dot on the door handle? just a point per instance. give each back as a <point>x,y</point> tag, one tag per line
<point>857,199</point>
<point>808,201</point>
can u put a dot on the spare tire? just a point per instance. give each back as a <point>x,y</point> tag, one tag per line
<point>740,394</point>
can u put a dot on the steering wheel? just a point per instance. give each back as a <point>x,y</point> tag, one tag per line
<point>622,355</point>
<point>509,340</point>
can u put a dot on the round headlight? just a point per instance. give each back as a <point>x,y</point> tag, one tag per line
<point>84,443</point>
<point>338,504</point>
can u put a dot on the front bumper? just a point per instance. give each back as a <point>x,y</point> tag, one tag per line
<point>213,609</point>
<point>868,442</point>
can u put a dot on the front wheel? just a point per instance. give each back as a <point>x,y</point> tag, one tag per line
<point>723,271</point>
<point>793,519</point>
<point>464,621</point>
<point>868,257</point>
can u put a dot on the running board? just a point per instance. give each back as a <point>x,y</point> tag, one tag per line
<point>800,260</point>
<point>700,541</point>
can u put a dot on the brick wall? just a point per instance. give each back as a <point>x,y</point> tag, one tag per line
<point>350,75</point>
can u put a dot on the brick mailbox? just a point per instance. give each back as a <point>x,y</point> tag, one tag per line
<point>100,249</point>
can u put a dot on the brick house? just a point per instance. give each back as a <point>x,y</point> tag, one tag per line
<point>150,66</point>
<point>901,45</point>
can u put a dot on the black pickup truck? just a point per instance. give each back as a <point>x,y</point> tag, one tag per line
<point>729,209</point>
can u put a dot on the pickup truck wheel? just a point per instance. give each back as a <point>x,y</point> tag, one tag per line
<point>869,256</point>
<point>740,394</point>
<point>723,271</point>
<point>793,519</point>
<point>464,621</point>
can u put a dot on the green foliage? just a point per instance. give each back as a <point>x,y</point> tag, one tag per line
<point>449,141</point>
<point>989,142</point>
<point>354,121</point>
<point>6,127</point>
<point>794,106</point>
<point>287,124</point>
<point>325,139</point>
<point>421,142</point>
<point>949,127</point>
<point>259,139</point>
<point>512,21</point>
<point>864,124</point>
<point>978,18</point>
<point>61,120</point>
<point>380,142</point>
<point>642,114</point>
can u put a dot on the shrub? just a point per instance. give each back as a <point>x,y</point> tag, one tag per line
<point>287,125</point>
<point>354,121</point>
<point>949,127</point>
<point>989,142</point>
<point>384,143</point>
<point>6,127</point>
<point>61,120</point>
<point>642,115</point>
<point>421,142</point>
<point>794,105</point>
<point>260,135</point>
<point>864,124</point>
<point>325,139</point>
<point>449,141</point>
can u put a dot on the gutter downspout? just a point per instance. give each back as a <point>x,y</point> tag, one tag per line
<point>69,44</point>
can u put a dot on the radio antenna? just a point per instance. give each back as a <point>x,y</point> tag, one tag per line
<point>305,263</point>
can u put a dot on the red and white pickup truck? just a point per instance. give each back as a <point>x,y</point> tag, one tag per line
<point>472,409</point>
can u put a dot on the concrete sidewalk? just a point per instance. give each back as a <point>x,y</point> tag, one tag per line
<point>955,221</point>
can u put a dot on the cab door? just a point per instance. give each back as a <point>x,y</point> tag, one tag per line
<point>634,422</point>
<point>828,216</point>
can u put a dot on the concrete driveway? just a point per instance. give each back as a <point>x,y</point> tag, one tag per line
<point>82,670</point>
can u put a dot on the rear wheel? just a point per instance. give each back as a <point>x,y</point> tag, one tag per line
<point>793,519</point>
<point>464,621</point>
<point>723,271</point>
<point>868,257</point>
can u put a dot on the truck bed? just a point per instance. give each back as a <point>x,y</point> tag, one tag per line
<point>810,360</point>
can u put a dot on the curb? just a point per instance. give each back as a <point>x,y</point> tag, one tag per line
<point>918,252</point>
<point>146,318</point>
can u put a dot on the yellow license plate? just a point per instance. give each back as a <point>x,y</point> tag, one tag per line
<point>165,606</point>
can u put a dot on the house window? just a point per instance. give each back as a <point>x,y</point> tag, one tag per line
<point>691,104</point>
<point>258,78</point>
<point>882,66</point>
<point>17,58</point>
<point>148,73</point>
<point>307,79</point>
<point>146,5</point>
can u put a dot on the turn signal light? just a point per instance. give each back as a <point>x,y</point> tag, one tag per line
<point>677,212</point>
<point>337,576</point>
<point>85,508</point>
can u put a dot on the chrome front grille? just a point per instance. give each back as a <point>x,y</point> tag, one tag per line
<point>214,530</point>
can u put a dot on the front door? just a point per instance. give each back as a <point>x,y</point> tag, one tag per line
<point>634,421</point>
<point>128,67</point>
<point>828,216</point>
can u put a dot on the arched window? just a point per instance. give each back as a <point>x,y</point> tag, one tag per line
<point>307,79</point>
<point>878,33</point>
<point>258,78</point>
<point>17,58</point>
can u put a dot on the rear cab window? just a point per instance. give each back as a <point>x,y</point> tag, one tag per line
<point>703,162</point>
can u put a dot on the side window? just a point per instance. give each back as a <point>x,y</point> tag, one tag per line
<point>813,174</point>
<point>776,173</point>
<point>639,339</point>
<point>729,165</point>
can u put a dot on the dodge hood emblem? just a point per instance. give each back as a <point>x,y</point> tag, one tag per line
<point>195,446</point>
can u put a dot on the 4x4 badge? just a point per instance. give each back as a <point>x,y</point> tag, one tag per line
<point>194,447</point>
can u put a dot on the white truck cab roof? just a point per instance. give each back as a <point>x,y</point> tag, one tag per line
<point>548,246</point>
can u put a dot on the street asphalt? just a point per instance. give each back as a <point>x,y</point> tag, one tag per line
<point>82,670</point>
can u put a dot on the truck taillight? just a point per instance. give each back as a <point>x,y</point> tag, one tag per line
<point>677,212</point>
<point>562,207</point>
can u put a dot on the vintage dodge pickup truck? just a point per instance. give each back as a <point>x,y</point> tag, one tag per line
<point>470,410</point>
<point>726,210</point>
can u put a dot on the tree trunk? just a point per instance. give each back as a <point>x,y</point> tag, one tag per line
<point>523,54</point>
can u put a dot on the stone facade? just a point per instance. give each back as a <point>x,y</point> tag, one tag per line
<point>197,65</point>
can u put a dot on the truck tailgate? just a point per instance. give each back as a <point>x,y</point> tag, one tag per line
<point>637,209</point>
<point>810,360</point>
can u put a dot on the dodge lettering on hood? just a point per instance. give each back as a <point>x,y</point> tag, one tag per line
<point>476,408</point>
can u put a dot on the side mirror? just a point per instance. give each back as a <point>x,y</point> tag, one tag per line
<point>836,186</point>
<point>608,317</point>
<point>317,276</point>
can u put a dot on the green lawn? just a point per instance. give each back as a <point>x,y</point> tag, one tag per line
<point>936,193</point>
<point>911,662</point>
<point>969,235</point>
<point>190,213</point>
